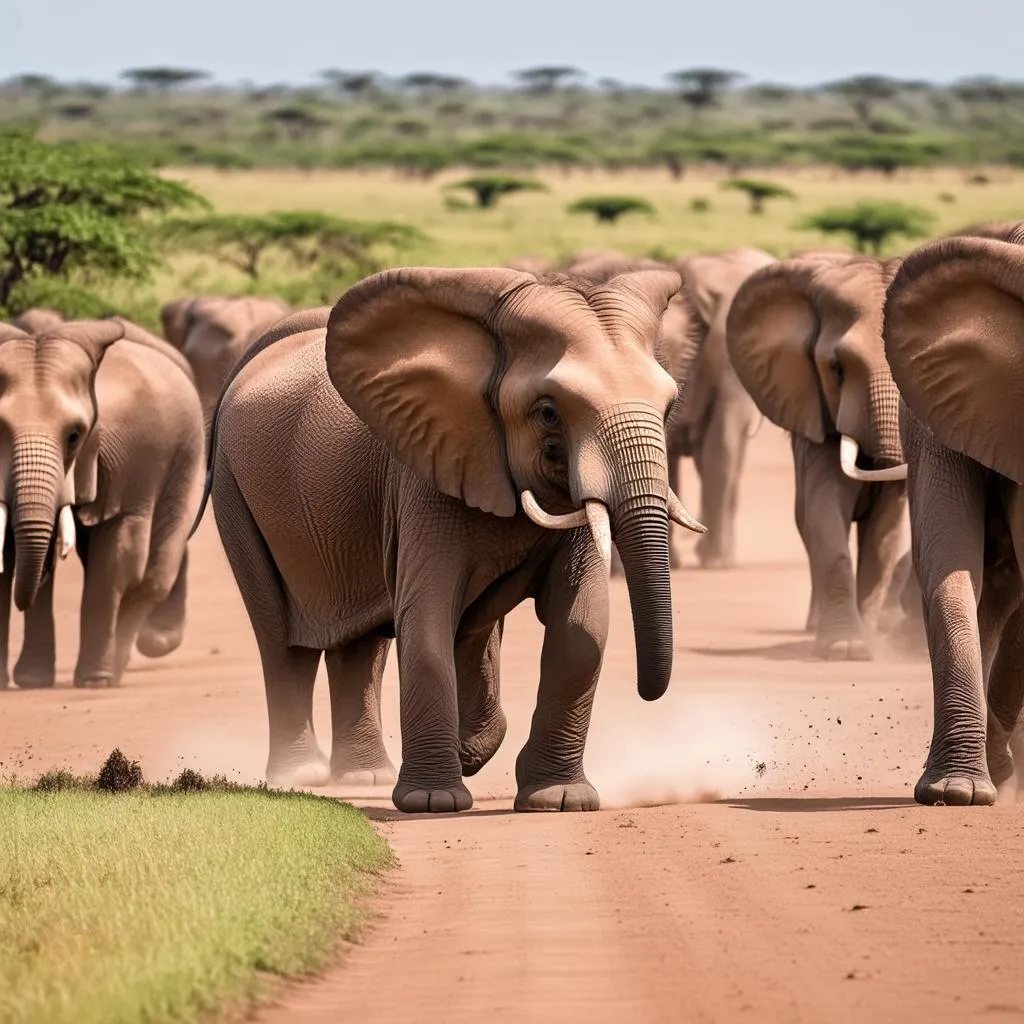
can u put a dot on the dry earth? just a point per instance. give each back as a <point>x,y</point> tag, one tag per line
<point>759,856</point>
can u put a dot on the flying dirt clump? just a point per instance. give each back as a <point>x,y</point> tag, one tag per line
<point>118,774</point>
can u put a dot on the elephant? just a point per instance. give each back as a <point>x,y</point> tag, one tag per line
<point>213,332</point>
<point>805,339</point>
<point>537,265</point>
<point>954,327</point>
<point>714,416</point>
<point>35,321</point>
<point>448,443</point>
<point>101,448</point>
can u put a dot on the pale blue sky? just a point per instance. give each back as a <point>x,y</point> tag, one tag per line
<point>798,41</point>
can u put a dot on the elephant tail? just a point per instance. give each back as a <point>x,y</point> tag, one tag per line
<point>296,323</point>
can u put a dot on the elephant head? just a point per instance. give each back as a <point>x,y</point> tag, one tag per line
<point>47,451</point>
<point>506,391</point>
<point>805,339</point>
<point>954,336</point>
<point>35,321</point>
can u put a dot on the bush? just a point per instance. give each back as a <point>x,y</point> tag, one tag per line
<point>489,188</point>
<point>610,208</point>
<point>758,191</point>
<point>118,774</point>
<point>59,781</point>
<point>872,224</point>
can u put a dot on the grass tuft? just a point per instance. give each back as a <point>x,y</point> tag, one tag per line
<point>167,903</point>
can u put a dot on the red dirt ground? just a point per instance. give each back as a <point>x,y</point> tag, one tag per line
<point>759,856</point>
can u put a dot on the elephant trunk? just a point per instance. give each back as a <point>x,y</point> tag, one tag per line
<point>883,436</point>
<point>37,473</point>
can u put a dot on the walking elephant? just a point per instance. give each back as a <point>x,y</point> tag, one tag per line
<point>445,444</point>
<point>805,338</point>
<point>954,336</point>
<point>101,443</point>
<point>213,333</point>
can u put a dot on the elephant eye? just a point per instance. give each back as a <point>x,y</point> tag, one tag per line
<point>548,415</point>
<point>837,371</point>
<point>74,436</point>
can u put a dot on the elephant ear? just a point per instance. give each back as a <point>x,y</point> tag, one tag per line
<point>94,337</point>
<point>770,334</point>
<point>954,338</point>
<point>175,319</point>
<point>410,352</point>
<point>86,473</point>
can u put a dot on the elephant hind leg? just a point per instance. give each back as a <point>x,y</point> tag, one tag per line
<point>164,628</point>
<point>354,672</point>
<point>289,673</point>
<point>481,721</point>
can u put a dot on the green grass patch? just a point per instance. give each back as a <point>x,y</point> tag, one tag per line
<point>168,903</point>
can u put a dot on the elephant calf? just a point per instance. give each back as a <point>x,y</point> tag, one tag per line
<point>101,444</point>
<point>805,338</point>
<point>444,445</point>
<point>954,335</point>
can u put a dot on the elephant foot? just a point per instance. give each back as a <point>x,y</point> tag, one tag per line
<point>153,642</point>
<point>850,649</point>
<point>717,562</point>
<point>359,777</point>
<point>476,748</point>
<point>558,796</point>
<point>413,799</point>
<point>34,674</point>
<point>97,681</point>
<point>298,776</point>
<point>955,790</point>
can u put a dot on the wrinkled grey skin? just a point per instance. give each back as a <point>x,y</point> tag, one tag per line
<point>954,331</point>
<point>213,333</point>
<point>102,417</point>
<point>805,338</point>
<point>403,427</point>
<point>35,321</point>
<point>714,417</point>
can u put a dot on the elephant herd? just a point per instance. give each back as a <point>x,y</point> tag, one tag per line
<point>448,443</point>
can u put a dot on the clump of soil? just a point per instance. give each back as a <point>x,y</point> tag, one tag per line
<point>119,775</point>
<point>190,781</point>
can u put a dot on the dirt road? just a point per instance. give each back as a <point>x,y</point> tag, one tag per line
<point>758,856</point>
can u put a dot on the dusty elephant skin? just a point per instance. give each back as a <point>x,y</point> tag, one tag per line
<point>213,333</point>
<point>805,338</point>
<point>447,444</point>
<point>101,448</point>
<point>954,330</point>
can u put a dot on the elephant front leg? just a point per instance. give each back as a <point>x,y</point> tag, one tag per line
<point>825,506</point>
<point>574,609</point>
<point>481,721</point>
<point>6,582</point>
<point>430,778</point>
<point>354,672</point>
<point>881,541</point>
<point>164,628</point>
<point>36,668</point>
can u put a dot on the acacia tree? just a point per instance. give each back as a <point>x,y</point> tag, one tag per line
<point>75,215</point>
<point>864,93</point>
<point>163,79</point>
<point>701,88</point>
<point>871,224</point>
<point>609,209</point>
<point>305,238</point>
<point>547,78</point>
<point>758,191</point>
<point>488,188</point>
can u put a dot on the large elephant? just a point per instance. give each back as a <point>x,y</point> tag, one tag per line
<point>213,333</point>
<point>101,442</point>
<point>447,444</point>
<point>954,336</point>
<point>805,337</point>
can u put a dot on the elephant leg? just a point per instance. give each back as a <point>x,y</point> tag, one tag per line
<point>6,583</point>
<point>1005,699</point>
<point>800,516</point>
<point>118,551</point>
<point>354,672</point>
<point>36,667</point>
<point>289,673</point>
<point>573,606</point>
<point>481,721</point>
<point>881,541</point>
<point>164,628</point>
<point>723,452</point>
<point>946,492</point>
<point>827,500</point>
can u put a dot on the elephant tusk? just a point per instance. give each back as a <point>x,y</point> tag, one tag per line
<point>65,531</point>
<point>848,452</point>
<point>569,521</point>
<point>601,530</point>
<point>3,533</point>
<point>678,514</point>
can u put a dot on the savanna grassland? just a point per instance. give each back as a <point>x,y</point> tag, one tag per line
<point>537,223</point>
